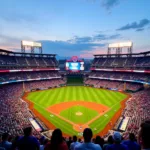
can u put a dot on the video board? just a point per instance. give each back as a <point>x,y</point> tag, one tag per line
<point>75,66</point>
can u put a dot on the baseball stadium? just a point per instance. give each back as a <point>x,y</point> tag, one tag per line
<point>45,94</point>
<point>75,75</point>
<point>49,94</point>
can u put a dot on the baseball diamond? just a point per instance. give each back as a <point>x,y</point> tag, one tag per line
<point>74,108</point>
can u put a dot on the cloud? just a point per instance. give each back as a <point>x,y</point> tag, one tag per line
<point>93,39</point>
<point>66,47</point>
<point>135,25</point>
<point>89,54</point>
<point>74,46</point>
<point>77,45</point>
<point>106,37</point>
<point>77,39</point>
<point>11,42</point>
<point>108,4</point>
<point>4,38</point>
<point>141,29</point>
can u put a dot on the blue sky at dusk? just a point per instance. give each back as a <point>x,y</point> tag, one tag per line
<point>75,27</point>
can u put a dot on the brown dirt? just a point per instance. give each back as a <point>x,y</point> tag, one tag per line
<point>57,108</point>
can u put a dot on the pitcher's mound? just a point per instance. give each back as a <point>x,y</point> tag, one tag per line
<point>79,113</point>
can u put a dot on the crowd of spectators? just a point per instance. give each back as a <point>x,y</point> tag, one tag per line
<point>138,109</point>
<point>122,62</point>
<point>58,142</point>
<point>14,112</point>
<point>121,75</point>
<point>28,75</point>
<point>108,84</point>
<point>43,84</point>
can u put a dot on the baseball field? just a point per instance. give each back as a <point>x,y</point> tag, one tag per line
<point>74,108</point>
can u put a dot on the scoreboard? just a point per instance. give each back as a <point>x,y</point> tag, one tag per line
<point>74,64</point>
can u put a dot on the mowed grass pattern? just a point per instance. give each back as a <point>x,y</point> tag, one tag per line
<point>87,114</point>
<point>46,98</point>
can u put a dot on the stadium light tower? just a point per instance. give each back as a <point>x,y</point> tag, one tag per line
<point>119,46</point>
<point>32,45</point>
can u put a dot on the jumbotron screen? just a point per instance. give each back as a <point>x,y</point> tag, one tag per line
<point>75,66</point>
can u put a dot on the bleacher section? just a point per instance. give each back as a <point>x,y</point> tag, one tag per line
<point>113,85</point>
<point>18,60</point>
<point>27,75</point>
<point>117,71</point>
<point>143,77</point>
<point>136,60</point>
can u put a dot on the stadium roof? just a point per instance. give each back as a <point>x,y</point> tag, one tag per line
<point>19,53</point>
<point>5,51</point>
<point>145,52</point>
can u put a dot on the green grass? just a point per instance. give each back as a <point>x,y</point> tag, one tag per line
<point>46,98</point>
<point>87,114</point>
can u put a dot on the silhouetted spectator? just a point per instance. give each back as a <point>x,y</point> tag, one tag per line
<point>14,143</point>
<point>42,139</point>
<point>74,143</point>
<point>93,140</point>
<point>10,138</point>
<point>5,144</point>
<point>131,143</point>
<point>117,143</point>
<point>69,142</point>
<point>144,135</point>
<point>99,141</point>
<point>109,142</point>
<point>28,142</point>
<point>57,141</point>
<point>87,144</point>
<point>79,140</point>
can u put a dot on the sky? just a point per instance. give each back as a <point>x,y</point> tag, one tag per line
<point>75,27</point>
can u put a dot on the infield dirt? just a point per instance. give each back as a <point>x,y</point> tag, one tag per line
<point>57,108</point>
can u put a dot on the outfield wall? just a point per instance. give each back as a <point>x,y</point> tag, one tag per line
<point>74,79</point>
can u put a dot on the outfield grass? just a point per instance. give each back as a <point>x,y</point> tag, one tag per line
<point>46,98</point>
